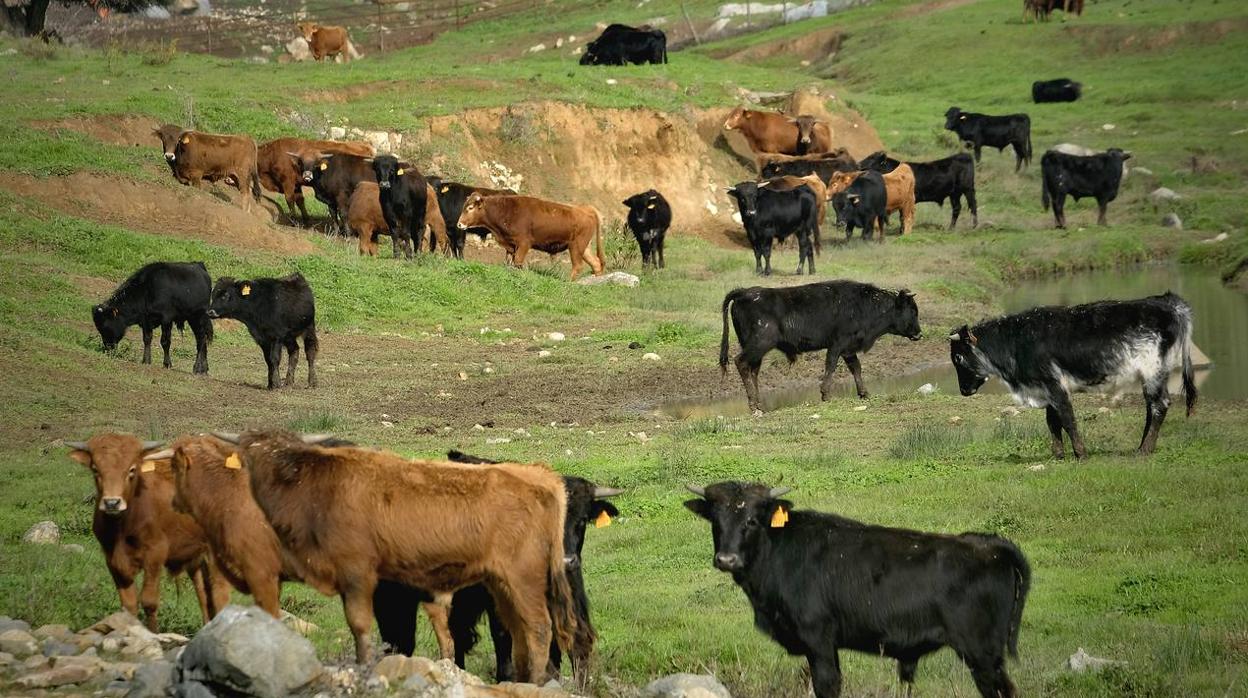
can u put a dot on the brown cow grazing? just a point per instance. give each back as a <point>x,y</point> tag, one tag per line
<point>521,223</point>
<point>195,157</point>
<point>433,525</point>
<point>138,529</point>
<point>900,187</point>
<point>279,173</point>
<point>326,41</point>
<point>769,132</point>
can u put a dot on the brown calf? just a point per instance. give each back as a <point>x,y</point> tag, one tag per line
<point>435,223</point>
<point>899,185</point>
<point>521,223</point>
<point>433,525</point>
<point>279,173</point>
<point>326,41</point>
<point>365,220</point>
<point>769,132</point>
<point>138,529</point>
<point>195,157</point>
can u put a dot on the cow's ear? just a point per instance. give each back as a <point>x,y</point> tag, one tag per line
<point>600,507</point>
<point>82,455</point>
<point>701,507</point>
<point>778,512</point>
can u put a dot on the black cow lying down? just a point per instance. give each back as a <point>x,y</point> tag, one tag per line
<point>1059,90</point>
<point>820,583</point>
<point>1044,354</point>
<point>843,317</point>
<point>947,178</point>
<point>1097,176</point>
<point>160,294</point>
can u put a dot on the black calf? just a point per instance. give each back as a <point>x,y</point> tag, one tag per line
<point>277,312</point>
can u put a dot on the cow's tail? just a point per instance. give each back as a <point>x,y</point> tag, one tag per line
<point>602,259</point>
<point>723,342</point>
<point>1185,336</point>
<point>1044,189</point>
<point>559,597</point>
<point>1027,158</point>
<point>1021,572</point>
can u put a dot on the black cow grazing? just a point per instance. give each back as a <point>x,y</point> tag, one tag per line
<point>822,166</point>
<point>1044,354</point>
<point>1097,176</point>
<point>403,191</point>
<point>649,217</point>
<point>820,583</point>
<point>159,295</point>
<point>769,215</point>
<point>843,317</point>
<point>948,178</point>
<point>620,44</point>
<point>1059,90</point>
<point>979,130</point>
<point>586,503</point>
<point>277,312</point>
<point>333,177</point>
<point>451,198</point>
<point>864,204</point>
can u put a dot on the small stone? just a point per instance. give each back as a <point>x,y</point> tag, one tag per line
<point>168,640</point>
<point>1081,661</point>
<point>615,278</point>
<point>816,416</point>
<point>1218,238</point>
<point>537,48</point>
<point>116,621</point>
<point>7,659</point>
<point>488,369</point>
<point>612,81</point>
<point>7,623</point>
<point>860,408</point>
<point>478,427</point>
<point>43,533</point>
<point>1172,220</point>
<point>1036,468</point>
<point>57,676</point>
<point>1103,410</point>
<point>1142,170</point>
<point>686,686</point>
<point>1010,411</point>
<point>73,548</point>
<point>555,336</point>
<point>110,644</point>
<point>543,354</point>
<point>926,389</point>
<point>636,345</point>
<point>650,356</point>
<point>18,643</point>
<point>955,420</point>
<point>36,663</point>
<point>55,632</point>
<point>386,424</point>
<point>1108,127</point>
<point>498,440</point>
<point>1161,194</point>
<point>55,648</point>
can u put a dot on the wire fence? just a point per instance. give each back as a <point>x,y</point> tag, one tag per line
<point>259,30</point>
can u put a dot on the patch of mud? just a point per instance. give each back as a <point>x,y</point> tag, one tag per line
<point>1101,40</point>
<point>351,93</point>
<point>813,47</point>
<point>125,130</point>
<point>181,212</point>
<point>927,8</point>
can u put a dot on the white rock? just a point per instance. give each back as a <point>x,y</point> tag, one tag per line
<point>543,354</point>
<point>386,424</point>
<point>1010,411</point>
<point>1081,661</point>
<point>1172,220</point>
<point>1142,170</point>
<point>555,336</point>
<point>1220,237</point>
<point>1072,149</point>
<point>955,420</point>
<point>1036,468</point>
<point>337,133</point>
<point>478,427</point>
<point>617,278</point>
<point>612,81</point>
<point>559,42</point>
<point>926,389</point>
<point>1164,194</point>
<point>860,408</point>
<point>43,533</point>
<point>1108,127</point>
<point>498,440</point>
<point>463,376</point>
<point>650,356</point>
<point>537,48</point>
<point>488,369</point>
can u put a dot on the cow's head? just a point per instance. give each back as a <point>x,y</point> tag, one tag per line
<point>741,516</point>
<point>590,56</point>
<point>878,161</point>
<point>849,207</point>
<point>840,181</point>
<point>435,183</point>
<point>805,128</point>
<point>906,317</point>
<point>277,459</point>
<point>736,118</point>
<point>952,117</point>
<point>116,461</point>
<point>968,360</point>
<point>642,207</point>
<point>473,215</point>
<point>230,298</point>
<point>111,325</point>
<point>307,29</point>
<point>388,170</point>
<point>586,503</point>
<point>193,460</point>
<point>169,136</point>
<point>311,164</point>
<point>746,195</point>
<point>1118,154</point>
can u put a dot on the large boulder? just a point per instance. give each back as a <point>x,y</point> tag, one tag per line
<point>152,680</point>
<point>43,533</point>
<point>686,686</point>
<point>245,650</point>
<point>18,643</point>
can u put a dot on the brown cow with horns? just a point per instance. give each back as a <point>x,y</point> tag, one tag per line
<point>433,525</point>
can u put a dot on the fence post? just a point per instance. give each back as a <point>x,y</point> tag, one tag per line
<point>381,34</point>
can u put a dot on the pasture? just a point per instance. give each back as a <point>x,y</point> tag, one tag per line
<point>1137,559</point>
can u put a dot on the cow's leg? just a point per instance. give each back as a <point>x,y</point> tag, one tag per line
<point>201,327</point>
<point>970,202</point>
<point>439,614</point>
<point>978,150</point>
<point>273,360</point>
<point>1055,431</point>
<point>513,620</point>
<point>748,368</point>
<point>955,207</point>
<point>1156,405</point>
<point>394,607</point>
<point>1019,152</point>
<point>825,673</point>
<point>266,589</point>
<point>504,669</point>
<point>851,361</point>
<point>1059,209</point>
<point>1066,410</point>
<point>767,257</point>
<point>149,596</point>
<point>199,582</point>
<point>166,339</point>
<point>907,219</point>
<point>311,346</point>
<point>147,344</point>
<point>990,678</point>
<point>292,360</point>
<point>522,251</point>
<point>662,260</point>
<point>906,669</point>
<point>1102,207</point>
<point>758,259</point>
<point>357,605</point>
<point>829,368</point>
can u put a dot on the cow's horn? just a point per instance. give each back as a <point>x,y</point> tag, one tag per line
<point>955,336</point>
<point>778,492</point>
<point>315,439</point>
<point>700,491</point>
<point>78,446</point>
<point>228,436</point>
<point>601,492</point>
<point>149,445</point>
<point>163,454</point>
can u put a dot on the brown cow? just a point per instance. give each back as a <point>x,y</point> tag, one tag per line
<point>435,223</point>
<point>521,223</point>
<point>365,220</point>
<point>195,157</point>
<point>281,174</point>
<point>326,40</point>
<point>433,525</point>
<point>900,187</point>
<point>138,529</point>
<point>770,132</point>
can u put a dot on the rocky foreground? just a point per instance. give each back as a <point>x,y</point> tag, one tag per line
<point>242,652</point>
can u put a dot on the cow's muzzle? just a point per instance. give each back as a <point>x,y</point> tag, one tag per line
<point>728,562</point>
<point>967,392</point>
<point>572,562</point>
<point>112,505</point>
<point>461,226</point>
<point>383,185</point>
<point>806,139</point>
<point>170,157</point>
<point>915,337</point>
<point>307,177</point>
<point>212,313</point>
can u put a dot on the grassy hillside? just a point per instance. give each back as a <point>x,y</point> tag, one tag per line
<point>1136,559</point>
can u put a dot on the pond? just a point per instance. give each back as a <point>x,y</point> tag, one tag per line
<point>1220,319</point>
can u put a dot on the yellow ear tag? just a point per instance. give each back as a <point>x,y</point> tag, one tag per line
<point>324,165</point>
<point>603,520</point>
<point>650,206</point>
<point>233,463</point>
<point>186,139</point>
<point>400,172</point>
<point>245,290</point>
<point>148,466</point>
<point>780,518</point>
<point>445,189</point>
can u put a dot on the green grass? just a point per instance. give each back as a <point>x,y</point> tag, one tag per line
<point>1137,559</point>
